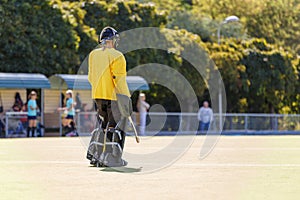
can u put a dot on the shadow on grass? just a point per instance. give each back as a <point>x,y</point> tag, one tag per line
<point>121,169</point>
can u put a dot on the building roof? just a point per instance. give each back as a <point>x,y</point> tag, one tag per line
<point>23,80</point>
<point>80,82</point>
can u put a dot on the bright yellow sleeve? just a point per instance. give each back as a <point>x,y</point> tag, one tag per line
<point>90,67</point>
<point>118,70</point>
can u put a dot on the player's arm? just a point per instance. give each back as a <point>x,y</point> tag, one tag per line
<point>147,106</point>
<point>199,114</point>
<point>67,108</point>
<point>118,70</point>
<point>70,105</point>
<point>31,106</point>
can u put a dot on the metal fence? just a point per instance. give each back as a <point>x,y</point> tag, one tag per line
<point>267,123</point>
<point>174,123</point>
<point>234,123</point>
<point>15,124</point>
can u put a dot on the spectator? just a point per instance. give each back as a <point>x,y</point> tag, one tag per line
<point>1,107</point>
<point>205,116</point>
<point>78,106</point>
<point>87,121</point>
<point>18,104</point>
<point>62,98</point>
<point>68,121</point>
<point>32,114</point>
<point>142,107</point>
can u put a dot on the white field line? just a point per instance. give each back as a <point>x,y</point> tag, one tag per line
<point>296,149</point>
<point>234,165</point>
<point>175,164</point>
<point>226,148</point>
<point>40,162</point>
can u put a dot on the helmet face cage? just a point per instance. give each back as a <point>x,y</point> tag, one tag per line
<point>112,35</point>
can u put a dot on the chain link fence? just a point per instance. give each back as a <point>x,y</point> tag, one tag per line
<point>187,123</point>
<point>15,123</point>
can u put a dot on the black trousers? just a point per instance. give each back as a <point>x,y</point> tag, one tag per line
<point>110,112</point>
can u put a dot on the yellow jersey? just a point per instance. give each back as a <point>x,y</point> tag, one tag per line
<point>107,73</point>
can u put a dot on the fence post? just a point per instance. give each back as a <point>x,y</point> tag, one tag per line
<point>246,122</point>
<point>6,125</point>
<point>276,122</point>
<point>78,122</point>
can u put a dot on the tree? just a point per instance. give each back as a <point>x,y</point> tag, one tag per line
<point>35,38</point>
<point>176,46</point>
<point>272,77</point>
<point>54,36</point>
<point>258,76</point>
<point>227,57</point>
<point>122,15</point>
<point>276,21</point>
<point>90,17</point>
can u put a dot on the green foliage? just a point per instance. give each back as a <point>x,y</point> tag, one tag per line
<point>88,18</point>
<point>122,15</point>
<point>227,58</point>
<point>169,4</point>
<point>276,21</point>
<point>203,25</point>
<point>266,80</point>
<point>260,75</point>
<point>35,38</point>
<point>180,44</point>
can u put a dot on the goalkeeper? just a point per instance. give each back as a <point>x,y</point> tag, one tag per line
<point>107,76</point>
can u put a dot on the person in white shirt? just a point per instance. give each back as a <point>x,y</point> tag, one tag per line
<point>142,107</point>
<point>205,116</point>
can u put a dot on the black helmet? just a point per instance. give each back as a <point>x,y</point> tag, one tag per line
<point>108,33</point>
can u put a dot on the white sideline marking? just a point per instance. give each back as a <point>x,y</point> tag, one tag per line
<point>175,164</point>
<point>234,165</point>
<point>228,148</point>
<point>40,162</point>
<point>259,148</point>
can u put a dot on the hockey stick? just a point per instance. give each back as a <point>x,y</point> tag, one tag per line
<point>105,137</point>
<point>134,129</point>
<point>125,107</point>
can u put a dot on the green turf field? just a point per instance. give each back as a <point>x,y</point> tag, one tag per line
<point>239,167</point>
